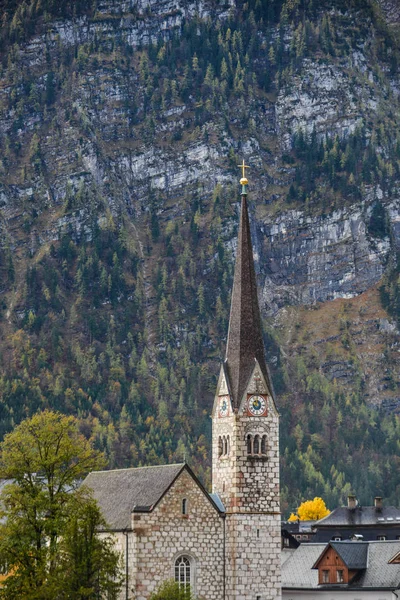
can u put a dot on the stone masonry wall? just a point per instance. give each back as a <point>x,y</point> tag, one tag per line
<point>247,484</point>
<point>253,550</point>
<point>256,485</point>
<point>249,488</point>
<point>164,534</point>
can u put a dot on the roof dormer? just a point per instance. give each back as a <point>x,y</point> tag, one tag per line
<point>340,562</point>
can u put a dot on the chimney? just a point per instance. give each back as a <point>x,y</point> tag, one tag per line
<point>378,502</point>
<point>351,501</point>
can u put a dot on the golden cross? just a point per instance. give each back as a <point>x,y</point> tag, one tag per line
<point>243,167</point>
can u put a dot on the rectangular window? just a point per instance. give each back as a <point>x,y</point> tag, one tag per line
<point>325,576</point>
<point>340,576</point>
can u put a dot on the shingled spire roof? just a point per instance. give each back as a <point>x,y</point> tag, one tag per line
<point>245,342</point>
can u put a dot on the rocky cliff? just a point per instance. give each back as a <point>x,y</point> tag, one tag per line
<point>121,128</point>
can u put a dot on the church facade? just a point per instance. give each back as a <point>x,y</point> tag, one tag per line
<point>226,544</point>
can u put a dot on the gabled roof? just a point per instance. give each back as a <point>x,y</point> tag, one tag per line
<point>361,515</point>
<point>353,554</point>
<point>379,572</point>
<point>298,572</point>
<point>245,342</point>
<point>121,491</point>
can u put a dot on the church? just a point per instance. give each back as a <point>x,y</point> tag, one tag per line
<point>227,544</point>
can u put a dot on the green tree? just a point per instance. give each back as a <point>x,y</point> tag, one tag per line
<point>45,515</point>
<point>170,590</point>
<point>89,567</point>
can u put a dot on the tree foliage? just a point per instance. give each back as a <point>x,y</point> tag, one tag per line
<point>48,536</point>
<point>171,590</point>
<point>310,510</point>
<point>122,319</point>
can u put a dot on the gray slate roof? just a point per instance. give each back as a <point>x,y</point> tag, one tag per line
<point>122,491</point>
<point>298,572</point>
<point>245,342</point>
<point>362,515</point>
<point>353,554</point>
<point>379,573</point>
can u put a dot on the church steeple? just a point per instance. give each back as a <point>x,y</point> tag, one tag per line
<point>246,440</point>
<point>245,342</point>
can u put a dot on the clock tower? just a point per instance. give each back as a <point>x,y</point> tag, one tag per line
<point>246,440</point>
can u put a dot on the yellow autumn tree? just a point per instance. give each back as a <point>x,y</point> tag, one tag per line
<point>310,510</point>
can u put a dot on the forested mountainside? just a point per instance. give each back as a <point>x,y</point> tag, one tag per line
<point>122,123</point>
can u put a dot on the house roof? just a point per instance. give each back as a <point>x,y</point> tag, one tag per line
<point>379,572</point>
<point>298,526</point>
<point>245,342</point>
<point>298,572</point>
<point>123,491</point>
<point>360,516</point>
<point>353,554</point>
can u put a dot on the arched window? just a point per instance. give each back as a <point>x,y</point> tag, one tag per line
<point>264,444</point>
<point>183,571</point>
<point>256,448</point>
<point>224,445</point>
<point>184,506</point>
<point>220,448</point>
<point>249,445</point>
<point>228,445</point>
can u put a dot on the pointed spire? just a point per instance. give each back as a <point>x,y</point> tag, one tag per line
<point>245,342</point>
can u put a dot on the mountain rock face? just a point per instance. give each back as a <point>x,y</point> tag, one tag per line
<point>314,259</point>
<point>121,128</point>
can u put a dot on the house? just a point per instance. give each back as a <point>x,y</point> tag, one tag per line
<point>227,544</point>
<point>301,531</point>
<point>346,570</point>
<point>377,522</point>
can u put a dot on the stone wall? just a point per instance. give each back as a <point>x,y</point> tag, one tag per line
<point>253,550</point>
<point>164,534</point>
<point>247,484</point>
<point>249,488</point>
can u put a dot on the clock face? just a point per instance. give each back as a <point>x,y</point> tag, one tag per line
<point>223,407</point>
<point>257,405</point>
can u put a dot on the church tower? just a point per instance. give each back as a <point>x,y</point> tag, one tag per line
<point>246,440</point>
